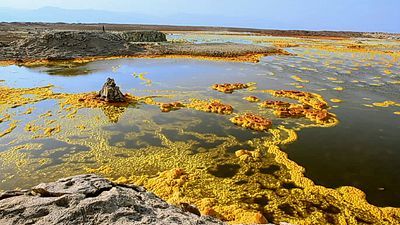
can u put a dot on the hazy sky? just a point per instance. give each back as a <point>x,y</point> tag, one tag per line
<point>368,15</point>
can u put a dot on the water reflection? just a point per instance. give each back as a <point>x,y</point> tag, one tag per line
<point>361,151</point>
<point>64,69</point>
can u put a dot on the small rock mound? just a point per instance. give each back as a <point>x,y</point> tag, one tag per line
<point>110,92</point>
<point>89,199</point>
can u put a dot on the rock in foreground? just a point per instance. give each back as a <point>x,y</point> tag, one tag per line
<point>89,199</point>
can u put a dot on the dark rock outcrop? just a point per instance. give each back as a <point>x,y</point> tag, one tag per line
<point>67,45</point>
<point>89,199</point>
<point>110,92</point>
<point>70,45</point>
<point>143,36</point>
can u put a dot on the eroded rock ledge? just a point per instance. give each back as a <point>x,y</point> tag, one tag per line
<point>89,199</point>
<point>73,45</point>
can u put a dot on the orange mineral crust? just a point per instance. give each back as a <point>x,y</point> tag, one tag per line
<point>229,88</point>
<point>252,121</point>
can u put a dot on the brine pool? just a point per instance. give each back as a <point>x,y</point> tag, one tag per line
<point>361,151</point>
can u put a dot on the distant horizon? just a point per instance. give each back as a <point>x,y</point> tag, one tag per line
<point>205,26</point>
<point>310,15</point>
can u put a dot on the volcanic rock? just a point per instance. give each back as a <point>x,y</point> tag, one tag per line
<point>110,92</point>
<point>89,199</point>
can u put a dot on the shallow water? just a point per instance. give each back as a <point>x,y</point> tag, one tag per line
<point>361,151</point>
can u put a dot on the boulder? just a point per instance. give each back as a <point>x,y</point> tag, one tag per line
<point>90,199</point>
<point>110,92</point>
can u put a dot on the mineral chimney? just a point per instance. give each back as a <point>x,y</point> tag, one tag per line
<point>110,92</point>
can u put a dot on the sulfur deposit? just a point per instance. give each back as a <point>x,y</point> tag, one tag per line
<point>229,88</point>
<point>252,121</point>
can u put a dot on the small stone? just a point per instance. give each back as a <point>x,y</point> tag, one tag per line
<point>209,212</point>
<point>190,208</point>
<point>260,219</point>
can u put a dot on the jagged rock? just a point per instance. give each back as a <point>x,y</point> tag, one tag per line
<point>144,36</point>
<point>89,199</point>
<point>63,45</point>
<point>67,45</point>
<point>110,92</point>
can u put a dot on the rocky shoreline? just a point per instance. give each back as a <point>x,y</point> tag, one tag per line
<point>73,45</point>
<point>90,199</point>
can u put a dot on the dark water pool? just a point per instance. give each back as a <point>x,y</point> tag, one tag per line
<point>362,150</point>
